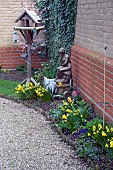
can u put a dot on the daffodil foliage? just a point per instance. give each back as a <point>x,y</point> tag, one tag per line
<point>31,91</point>
<point>71,116</point>
<point>102,134</point>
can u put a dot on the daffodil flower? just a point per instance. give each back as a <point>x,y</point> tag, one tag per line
<point>60,84</point>
<point>104,134</point>
<point>64,116</point>
<point>111,144</point>
<point>69,99</point>
<point>106,145</point>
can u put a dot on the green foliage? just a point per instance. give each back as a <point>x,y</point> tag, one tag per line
<point>87,147</point>
<point>59,18</point>
<point>48,70</point>
<point>70,116</point>
<point>21,68</point>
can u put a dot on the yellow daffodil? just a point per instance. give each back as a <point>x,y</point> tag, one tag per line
<point>30,84</point>
<point>111,129</point>
<point>89,134</point>
<point>19,87</point>
<point>17,92</point>
<point>106,145</point>
<point>111,144</point>
<point>69,99</point>
<point>64,116</point>
<point>94,128</point>
<point>107,129</point>
<point>63,108</point>
<point>94,133</point>
<point>104,134</point>
<point>60,84</point>
<point>99,126</point>
<point>65,103</point>
<point>68,110</point>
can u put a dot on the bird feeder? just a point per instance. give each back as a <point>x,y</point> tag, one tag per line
<point>29,28</point>
<point>15,37</point>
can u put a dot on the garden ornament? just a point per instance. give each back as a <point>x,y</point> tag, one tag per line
<point>64,70</point>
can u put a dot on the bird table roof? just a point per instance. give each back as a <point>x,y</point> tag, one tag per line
<point>33,16</point>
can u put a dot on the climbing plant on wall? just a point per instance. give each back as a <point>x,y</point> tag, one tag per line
<point>59,18</point>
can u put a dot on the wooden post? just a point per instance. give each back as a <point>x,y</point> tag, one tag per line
<point>28,63</point>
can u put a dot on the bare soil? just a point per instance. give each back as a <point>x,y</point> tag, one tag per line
<point>13,75</point>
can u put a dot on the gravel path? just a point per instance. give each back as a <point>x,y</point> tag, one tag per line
<point>28,143</point>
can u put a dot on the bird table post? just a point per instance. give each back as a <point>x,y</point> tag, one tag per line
<point>29,21</point>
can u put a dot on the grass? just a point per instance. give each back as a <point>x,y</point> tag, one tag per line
<point>7,87</point>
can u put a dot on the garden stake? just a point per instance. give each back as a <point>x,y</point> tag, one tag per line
<point>104,88</point>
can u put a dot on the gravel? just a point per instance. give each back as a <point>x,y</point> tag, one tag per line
<point>28,143</point>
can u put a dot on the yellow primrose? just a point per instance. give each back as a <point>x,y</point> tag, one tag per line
<point>111,144</point>
<point>103,133</point>
<point>69,99</point>
<point>106,145</point>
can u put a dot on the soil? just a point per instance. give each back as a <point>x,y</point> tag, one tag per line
<point>13,75</point>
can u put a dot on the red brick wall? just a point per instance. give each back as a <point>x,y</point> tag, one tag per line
<point>10,57</point>
<point>88,76</point>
